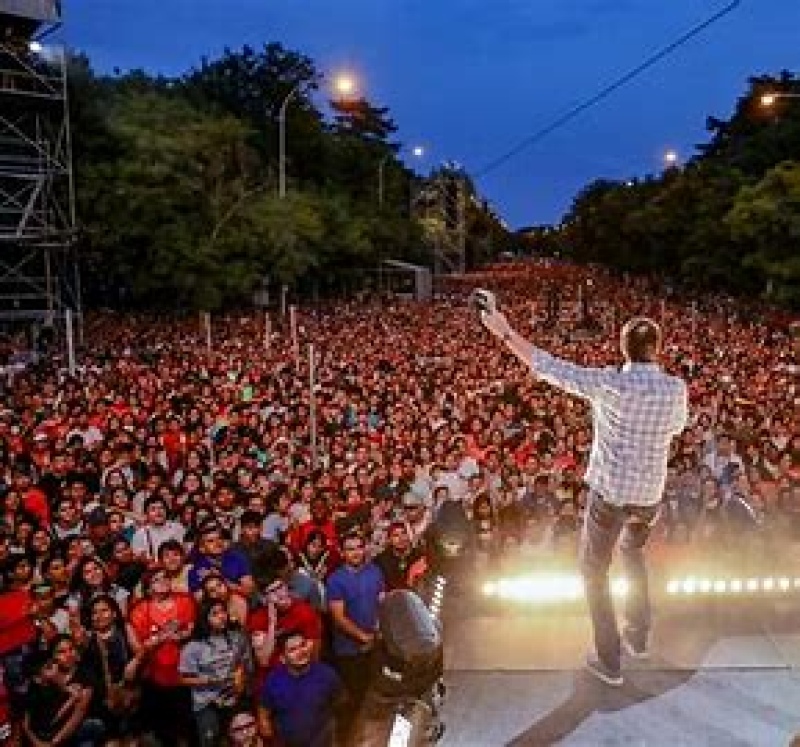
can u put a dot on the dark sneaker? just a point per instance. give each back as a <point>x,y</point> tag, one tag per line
<point>634,648</point>
<point>596,668</point>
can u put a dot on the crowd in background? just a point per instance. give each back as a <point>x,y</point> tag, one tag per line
<point>194,548</point>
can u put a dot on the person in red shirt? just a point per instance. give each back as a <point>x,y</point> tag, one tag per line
<point>157,627</point>
<point>175,445</point>
<point>279,613</point>
<point>34,500</point>
<point>320,521</point>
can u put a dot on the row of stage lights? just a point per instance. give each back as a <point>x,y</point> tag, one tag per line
<point>768,584</point>
<point>552,588</point>
<point>438,596</point>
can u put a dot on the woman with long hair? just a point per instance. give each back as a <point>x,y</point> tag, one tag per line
<point>109,659</point>
<point>90,579</point>
<point>216,664</point>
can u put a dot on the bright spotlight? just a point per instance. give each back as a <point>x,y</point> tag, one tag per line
<point>689,585</point>
<point>673,587</point>
<point>418,151</point>
<point>720,587</point>
<point>784,584</point>
<point>620,587</point>
<point>489,589</point>
<point>736,585</point>
<point>768,584</point>
<point>35,47</point>
<point>752,584</point>
<point>705,585</point>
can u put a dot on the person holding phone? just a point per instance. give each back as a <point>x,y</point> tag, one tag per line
<point>637,410</point>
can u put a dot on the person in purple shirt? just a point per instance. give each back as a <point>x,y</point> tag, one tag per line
<point>300,697</point>
<point>213,553</point>
<point>354,593</point>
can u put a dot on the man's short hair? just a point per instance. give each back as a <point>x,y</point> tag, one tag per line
<point>641,339</point>
<point>251,518</point>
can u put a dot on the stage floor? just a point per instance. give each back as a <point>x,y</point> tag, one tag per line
<point>724,671</point>
<point>719,708</point>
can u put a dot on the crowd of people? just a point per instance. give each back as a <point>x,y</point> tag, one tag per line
<point>195,539</point>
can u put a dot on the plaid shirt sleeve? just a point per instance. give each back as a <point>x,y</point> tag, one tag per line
<point>578,380</point>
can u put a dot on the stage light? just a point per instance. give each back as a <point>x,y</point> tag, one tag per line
<point>620,587</point>
<point>546,588</point>
<point>736,585</point>
<point>720,587</point>
<point>689,585</point>
<point>752,584</point>
<point>768,584</point>
<point>784,584</point>
<point>673,587</point>
<point>705,585</point>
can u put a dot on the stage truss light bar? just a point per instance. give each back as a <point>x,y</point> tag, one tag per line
<point>546,588</point>
<point>554,588</point>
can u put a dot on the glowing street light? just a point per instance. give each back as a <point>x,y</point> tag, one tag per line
<point>345,85</point>
<point>670,158</point>
<point>770,99</point>
<point>418,151</point>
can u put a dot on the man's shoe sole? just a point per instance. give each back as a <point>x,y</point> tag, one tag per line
<point>608,679</point>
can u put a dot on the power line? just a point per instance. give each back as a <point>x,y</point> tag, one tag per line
<point>609,89</point>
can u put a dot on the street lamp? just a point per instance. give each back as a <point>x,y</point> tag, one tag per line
<point>770,99</point>
<point>282,140</point>
<point>417,151</point>
<point>670,158</point>
<point>344,84</point>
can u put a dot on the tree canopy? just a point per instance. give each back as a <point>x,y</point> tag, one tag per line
<point>177,182</point>
<point>729,219</point>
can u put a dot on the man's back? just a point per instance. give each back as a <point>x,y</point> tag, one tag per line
<point>636,411</point>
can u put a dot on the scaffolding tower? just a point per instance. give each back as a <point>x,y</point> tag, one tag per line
<point>39,279</point>
<point>441,207</point>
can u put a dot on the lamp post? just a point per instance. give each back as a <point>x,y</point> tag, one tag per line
<point>344,85</point>
<point>417,151</point>
<point>282,140</point>
<point>770,99</point>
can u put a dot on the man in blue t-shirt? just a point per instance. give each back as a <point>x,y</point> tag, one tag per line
<point>214,554</point>
<point>354,592</point>
<point>299,698</point>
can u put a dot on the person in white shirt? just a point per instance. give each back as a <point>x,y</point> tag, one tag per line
<point>723,461</point>
<point>155,531</point>
<point>637,410</point>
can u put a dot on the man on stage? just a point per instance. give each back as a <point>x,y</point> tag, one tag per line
<point>636,409</point>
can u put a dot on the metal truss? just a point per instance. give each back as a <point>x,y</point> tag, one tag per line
<point>440,206</point>
<point>38,265</point>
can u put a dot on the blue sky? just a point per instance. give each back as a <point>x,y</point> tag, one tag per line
<point>469,79</point>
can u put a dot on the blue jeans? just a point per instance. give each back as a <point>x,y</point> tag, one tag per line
<point>603,524</point>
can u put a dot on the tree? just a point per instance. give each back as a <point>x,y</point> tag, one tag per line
<point>766,217</point>
<point>148,212</point>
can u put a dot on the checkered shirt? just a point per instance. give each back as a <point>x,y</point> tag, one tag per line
<point>636,411</point>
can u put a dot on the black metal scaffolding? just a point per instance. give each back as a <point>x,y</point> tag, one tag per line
<point>39,278</point>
